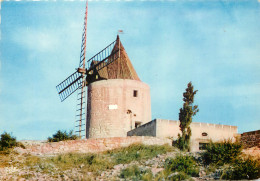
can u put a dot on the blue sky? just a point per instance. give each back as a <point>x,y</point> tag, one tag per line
<point>214,44</point>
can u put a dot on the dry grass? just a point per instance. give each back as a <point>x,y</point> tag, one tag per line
<point>76,166</point>
<point>79,166</point>
<point>137,152</point>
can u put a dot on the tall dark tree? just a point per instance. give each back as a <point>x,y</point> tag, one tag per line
<point>185,116</point>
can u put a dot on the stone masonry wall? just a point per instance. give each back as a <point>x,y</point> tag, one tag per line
<point>251,139</point>
<point>148,129</point>
<point>201,132</point>
<point>115,106</point>
<point>87,145</point>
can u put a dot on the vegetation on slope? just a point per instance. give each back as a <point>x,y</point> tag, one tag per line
<point>92,164</point>
<point>137,152</point>
<point>227,157</point>
<point>179,168</point>
<point>136,173</point>
<point>7,141</point>
<point>136,162</point>
<point>242,168</point>
<point>222,152</point>
<point>62,136</point>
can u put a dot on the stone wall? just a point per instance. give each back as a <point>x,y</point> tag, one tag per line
<point>87,145</point>
<point>115,106</point>
<point>148,129</point>
<point>251,139</point>
<point>201,132</point>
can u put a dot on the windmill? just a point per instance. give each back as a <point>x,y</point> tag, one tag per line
<point>86,73</point>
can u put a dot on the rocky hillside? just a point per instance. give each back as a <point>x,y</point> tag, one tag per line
<point>134,162</point>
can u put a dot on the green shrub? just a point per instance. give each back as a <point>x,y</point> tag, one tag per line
<point>135,173</point>
<point>181,163</point>
<point>62,136</point>
<point>7,141</point>
<point>137,152</point>
<point>221,153</point>
<point>179,168</point>
<point>242,169</point>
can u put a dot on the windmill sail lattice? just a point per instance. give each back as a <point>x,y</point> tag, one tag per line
<point>84,41</point>
<point>99,61</point>
<point>80,113</point>
<point>103,58</point>
<point>69,85</point>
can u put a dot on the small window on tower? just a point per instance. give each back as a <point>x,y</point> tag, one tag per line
<point>137,124</point>
<point>135,93</point>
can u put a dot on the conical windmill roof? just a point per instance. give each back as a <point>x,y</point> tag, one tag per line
<point>121,68</point>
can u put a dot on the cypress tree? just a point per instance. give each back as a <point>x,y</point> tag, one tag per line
<point>185,116</point>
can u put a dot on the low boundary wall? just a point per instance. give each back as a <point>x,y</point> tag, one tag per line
<point>88,145</point>
<point>251,139</point>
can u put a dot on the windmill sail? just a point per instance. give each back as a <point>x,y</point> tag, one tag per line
<point>80,117</point>
<point>69,85</point>
<point>103,58</point>
<point>84,40</point>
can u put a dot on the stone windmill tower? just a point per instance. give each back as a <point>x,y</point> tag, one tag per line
<point>117,100</point>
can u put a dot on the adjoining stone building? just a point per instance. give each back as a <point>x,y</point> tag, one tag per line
<point>202,133</point>
<point>119,105</point>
